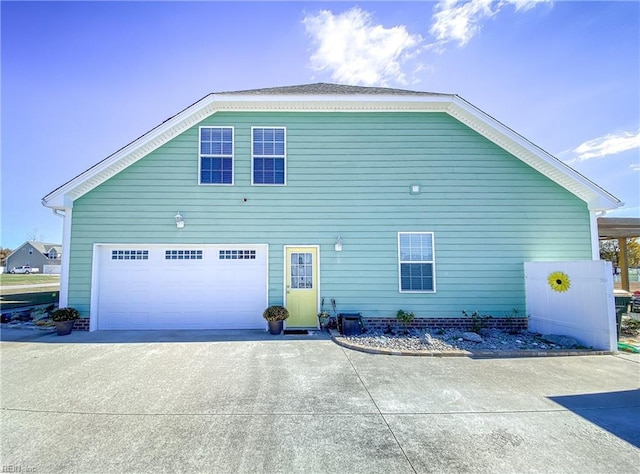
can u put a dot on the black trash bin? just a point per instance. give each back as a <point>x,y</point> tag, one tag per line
<point>351,324</point>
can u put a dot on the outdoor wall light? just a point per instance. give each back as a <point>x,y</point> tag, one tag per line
<point>179,221</point>
<point>338,245</point>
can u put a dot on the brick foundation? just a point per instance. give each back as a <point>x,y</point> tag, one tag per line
<point>81,324</point>
<point>466,324</point>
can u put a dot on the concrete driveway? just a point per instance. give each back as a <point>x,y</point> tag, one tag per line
<point>229,402</point>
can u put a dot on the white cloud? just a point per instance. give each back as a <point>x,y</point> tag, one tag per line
<point>600,147</point>
<point>460,21</point>
<point>357,51</point>
<point>635,166</point>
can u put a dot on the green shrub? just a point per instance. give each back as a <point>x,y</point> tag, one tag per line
<point>65,314</point>
<point>405,317</point>
<point>478,321</point>
<point>275,313</point>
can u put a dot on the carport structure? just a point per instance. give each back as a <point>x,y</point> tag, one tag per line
<point>620,229</point>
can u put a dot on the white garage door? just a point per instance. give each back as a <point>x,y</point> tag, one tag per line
<point>181,287</point>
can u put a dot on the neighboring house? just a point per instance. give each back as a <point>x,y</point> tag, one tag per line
<point>382,199</point>
<point>45,257</point>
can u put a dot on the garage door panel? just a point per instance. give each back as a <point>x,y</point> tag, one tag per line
<point>119,319</point>
<point>159,287</point>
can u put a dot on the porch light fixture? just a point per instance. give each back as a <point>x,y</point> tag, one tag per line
<point>179,221</point>
<point>338,245</point>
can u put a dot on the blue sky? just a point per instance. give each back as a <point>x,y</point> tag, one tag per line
<point>82,79</point>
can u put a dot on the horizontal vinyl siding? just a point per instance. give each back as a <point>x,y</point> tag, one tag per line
<point>349,174</point>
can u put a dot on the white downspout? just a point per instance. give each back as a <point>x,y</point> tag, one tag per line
<point>595,239</point>
<point>66,255</point>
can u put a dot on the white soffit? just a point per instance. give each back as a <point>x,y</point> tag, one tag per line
<point>594,196</point>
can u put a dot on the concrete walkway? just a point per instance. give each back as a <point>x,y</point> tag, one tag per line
<point>244,401</point>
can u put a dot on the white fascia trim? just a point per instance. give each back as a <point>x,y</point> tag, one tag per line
<point>331,103</point>
<point>596,198</point>
<point>63,197</point>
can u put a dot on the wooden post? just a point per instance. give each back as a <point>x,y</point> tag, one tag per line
<point>624,266</point>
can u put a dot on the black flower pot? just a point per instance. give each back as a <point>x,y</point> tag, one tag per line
<point>275,327</point>
<point>63,328</point>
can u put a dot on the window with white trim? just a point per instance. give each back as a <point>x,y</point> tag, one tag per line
<point>268,155</point>
<point>216,155</point>
<point>416,261</point>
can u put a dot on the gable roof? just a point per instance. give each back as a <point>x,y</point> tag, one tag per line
<point>323,88</point>
<point>331,98</point>
<point>41,247</point>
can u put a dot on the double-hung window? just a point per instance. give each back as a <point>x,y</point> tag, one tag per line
<point>268,150</point>
<point>216,155</point>
<point>416,261</point>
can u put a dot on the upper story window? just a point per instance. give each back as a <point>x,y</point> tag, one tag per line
<point>416,261</point>
<point>268,163</point>
<point>216,155</point>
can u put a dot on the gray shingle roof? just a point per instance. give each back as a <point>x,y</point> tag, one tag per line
<point>44,247</point>
<point>41,247</point>
<point>323,88</point>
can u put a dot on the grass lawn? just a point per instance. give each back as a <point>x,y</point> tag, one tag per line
<point>7,279</point>
<point>16,298</point>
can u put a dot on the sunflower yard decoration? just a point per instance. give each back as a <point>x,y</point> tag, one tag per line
<point>559,281</point>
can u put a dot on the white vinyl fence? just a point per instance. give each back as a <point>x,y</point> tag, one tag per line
<point>572,299</point>
<point>51,269</point>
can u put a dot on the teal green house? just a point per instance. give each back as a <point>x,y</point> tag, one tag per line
<point>381,199</point>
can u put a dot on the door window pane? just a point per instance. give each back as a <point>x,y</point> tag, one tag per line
<point>301,270</point>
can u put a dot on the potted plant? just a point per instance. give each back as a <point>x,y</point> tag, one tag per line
<point>323,318</point>
<point>275,316</point>
<point>64,318</point>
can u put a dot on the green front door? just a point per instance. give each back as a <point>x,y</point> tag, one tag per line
<point>302,287</point>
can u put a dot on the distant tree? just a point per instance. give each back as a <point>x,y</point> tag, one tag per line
<point>610,250</point>
<point>34,235</point>
<point>634,253</point>
<point>4,253</point>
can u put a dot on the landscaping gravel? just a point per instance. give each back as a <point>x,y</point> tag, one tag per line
<point>453,340</point>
